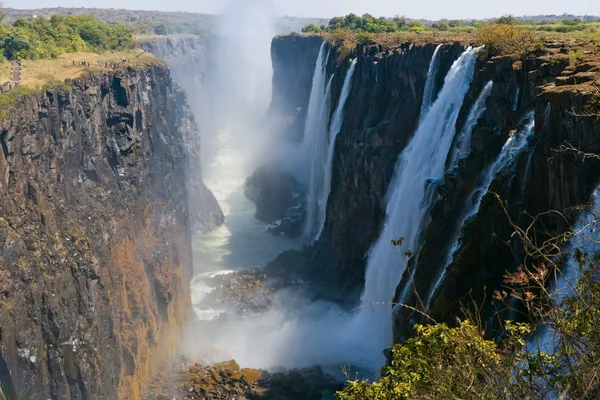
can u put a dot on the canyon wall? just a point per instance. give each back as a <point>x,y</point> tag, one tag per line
<point>186,56</point>
<point>381,115</point>
<point>95,261</point>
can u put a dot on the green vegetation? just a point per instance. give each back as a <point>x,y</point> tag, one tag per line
<point>353,24</point>
<point>442,362</point>
<point>43,38</point>
<point>508,39</point>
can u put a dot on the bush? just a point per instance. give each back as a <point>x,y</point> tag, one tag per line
<point>502,39</point>
<point>444,363</point>
<point>365,38</point>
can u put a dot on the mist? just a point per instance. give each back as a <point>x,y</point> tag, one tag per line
<point>242,135</point>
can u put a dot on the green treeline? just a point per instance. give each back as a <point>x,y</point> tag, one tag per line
<point>370,24</point>
<point>49,38</point>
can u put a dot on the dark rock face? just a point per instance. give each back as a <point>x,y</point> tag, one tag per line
<point>294,59</point>
<point>187,60</point>
<point>279,199</point>
<point>204,210</point>
<point>380,118</point>
<point>95,260</point>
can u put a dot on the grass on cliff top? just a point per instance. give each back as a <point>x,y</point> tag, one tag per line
<point>39,73</point>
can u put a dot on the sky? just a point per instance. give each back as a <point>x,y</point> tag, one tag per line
<point>432,9</point>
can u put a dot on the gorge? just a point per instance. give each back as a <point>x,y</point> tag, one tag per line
<point>284,201</point>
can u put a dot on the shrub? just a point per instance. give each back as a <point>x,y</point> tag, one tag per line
<point>502,39</point>
<point>365,38</point>
<point>576,57</point>
<point>443,363</point>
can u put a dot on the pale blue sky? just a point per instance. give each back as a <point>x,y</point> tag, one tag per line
<point>432,9</point>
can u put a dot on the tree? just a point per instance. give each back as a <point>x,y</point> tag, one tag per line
<point>311,28</point>
<point>507,20</point>
<point>161,29</point>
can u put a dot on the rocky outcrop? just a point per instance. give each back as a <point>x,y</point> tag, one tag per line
<point>95,255</point>
<point>279,199</point>
<point>227,381</point>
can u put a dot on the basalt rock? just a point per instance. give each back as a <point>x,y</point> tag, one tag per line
<point>227,381</point>
<point>95,254</point>
<point>279,199</point>
<point>380,117</point>
<point>186,56</point>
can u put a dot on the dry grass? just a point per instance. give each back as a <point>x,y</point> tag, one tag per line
<point>5,71</point>
<point>35,74</point>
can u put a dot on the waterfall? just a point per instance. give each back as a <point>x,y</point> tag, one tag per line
<point>421,161</point>
<point>587,236</point>
<point>315,139</point>
<point>317,153</point>
<point>429,92</point>
<point>463,145</point>
<point>515,144</point>
<point>322,192</point>
<point>516,99</point>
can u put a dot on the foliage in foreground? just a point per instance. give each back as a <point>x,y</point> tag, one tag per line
<point>442,363</point>
<point>560,360</point>
<point>49,38</point>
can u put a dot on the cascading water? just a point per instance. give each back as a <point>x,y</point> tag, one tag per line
<point>463,142</point>
<point>317,151</point>
<point>315,140</point>
<point>422,160</point>
<point>428,93</point>
<point>587,237</point>
<point>511,149</point>
<point>322,190</point>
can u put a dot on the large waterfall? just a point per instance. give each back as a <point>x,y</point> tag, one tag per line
<point>429,92</point>
<point>512,148</point>
<point>315,139</point>
<point>320,189</point>
<point>422,161</point>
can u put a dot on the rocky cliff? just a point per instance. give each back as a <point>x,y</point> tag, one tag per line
<point>380,118</point>
<point>95,260</point>
<point>186,56</point>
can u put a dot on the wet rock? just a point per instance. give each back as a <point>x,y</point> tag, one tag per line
<point>244,293</point>
<point>279,199</point>
<point>226,381</point>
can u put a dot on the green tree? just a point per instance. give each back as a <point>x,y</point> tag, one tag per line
<point>161,29</point>
<point>311,28</point>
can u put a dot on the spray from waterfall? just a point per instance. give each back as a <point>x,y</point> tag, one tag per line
<point>429,92</point>
<point>515,144</point>
<point>421,161</point>
<point>463,142</point>
<point>320,187</point>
